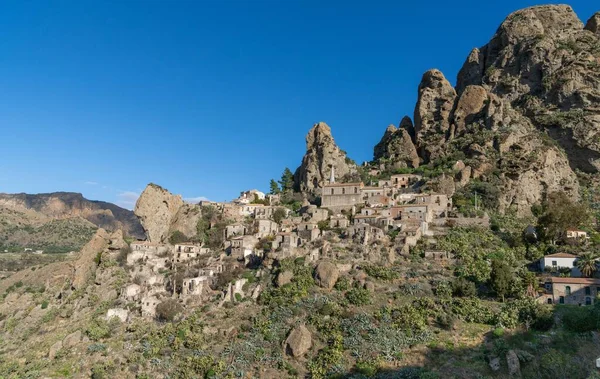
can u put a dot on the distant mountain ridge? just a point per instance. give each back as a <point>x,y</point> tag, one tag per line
<point>66,205</point>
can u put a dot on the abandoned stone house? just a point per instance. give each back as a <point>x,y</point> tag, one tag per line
<point>149,304</point>
<point>315,214</point>
<point>286,240</point>
<point>193,286</point>
<point>266,228</point>
<point>439,204</point>
<point>574,291</point>
<point>365,232</point>
<point>243,246</point>
<point>308,231</point>
<point>339,221</point>
<point>438,255</point>
<point>189,247</point>
<point>411,212</point>
<point>404,180</point>
<point>147,246</point>
<point>234,230</point>
<point>249,209</point>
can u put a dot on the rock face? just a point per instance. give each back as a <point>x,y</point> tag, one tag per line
<point>396,147</point>
<point>326,274</point>
<point>68,205</point>
<point>525,112</point>
<point>161,213</point>
<point>322,154</point>
<point>546,65</point>
<point>432,114</point>
<point>298,342</point>
<point>284,278</point>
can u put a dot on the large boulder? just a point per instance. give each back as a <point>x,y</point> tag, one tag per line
<point>326,274</point>
<point>593,24</point>
<point>298,342</point>
<point>284,278</point>
<point>512,361</point>
<point>156,209</point>
<point>322,155</point>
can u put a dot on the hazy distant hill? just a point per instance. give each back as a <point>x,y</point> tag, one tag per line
<point>59,221</point>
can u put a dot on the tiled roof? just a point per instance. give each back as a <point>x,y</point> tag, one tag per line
<point>575,280</point>
<point>561,255</point>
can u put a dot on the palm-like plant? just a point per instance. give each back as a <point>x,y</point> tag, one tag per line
<point>586,263</point>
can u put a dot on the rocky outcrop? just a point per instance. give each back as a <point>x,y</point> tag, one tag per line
<point>512,361</point>
<point>85,266</point>
<point>161,213</point>
<point>593,24</point>
<point>69,205</point>
<point>432,114</point>
<point>547,66</point>
<point>322,154</point>
<point>298,342</point>
<point>326,274</point>
<point>284,277</point>
<point>396,147</point>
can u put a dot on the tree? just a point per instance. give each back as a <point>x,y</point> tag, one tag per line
<point>586,263</point>
<point>559,213</point>
<point>279,214</point>
<point>287,180</point>
<point>274,187</point>
<point>501,278</point>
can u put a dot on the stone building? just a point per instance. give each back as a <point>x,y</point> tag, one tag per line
<point>266,228</point>
<point>439,204</point>
<point>404,180</point>
<point>243,246</point>
<point>308,231</point>
<point>194,286</point>
<point>339,221</point>
<point>574,291</point>
<point>234,230</point>
<point>338,196</point>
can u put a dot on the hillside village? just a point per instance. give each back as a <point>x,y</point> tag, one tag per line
<point>468,247</point>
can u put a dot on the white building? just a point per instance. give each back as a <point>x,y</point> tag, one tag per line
<point>554,262</point>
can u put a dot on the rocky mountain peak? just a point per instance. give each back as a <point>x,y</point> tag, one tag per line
<point>593,24</point>
<point>432,113</point>
<point>322,154</point>
<point>396,147</point>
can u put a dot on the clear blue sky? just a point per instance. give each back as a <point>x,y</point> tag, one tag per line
<point>208,98</point>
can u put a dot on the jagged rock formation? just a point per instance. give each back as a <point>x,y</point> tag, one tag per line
<point>432,114</point>
<point>321,155</point>
<point>525,112</point>
<point>397,147</point>
<point>45,207</point>
<point>547,66</point>
<point>161,213</point>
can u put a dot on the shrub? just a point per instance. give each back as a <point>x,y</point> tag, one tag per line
<point>238,297</point>
<point>98,329</point>
<point>358,296</point>
<point>462,287</point>
<point>44,304</point>
<point>178,237</point>
<point>168,309</point>
<point>381,272</point>
<point>498,332</point>
<point>342,284</point>
<point>123,253</point>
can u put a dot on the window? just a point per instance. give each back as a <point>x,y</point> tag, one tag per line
<point>588,300</point>
<point>568,290</point>
<point>561,300</point>
<point>343,191</point>
<point>554,263</point>
<point>588,291</point>
<point>332,191</point>
<point>355,189</point>
<point>549,301</point>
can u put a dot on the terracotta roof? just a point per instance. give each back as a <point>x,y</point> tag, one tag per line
<point>561,255</point>
<point>575,280</point>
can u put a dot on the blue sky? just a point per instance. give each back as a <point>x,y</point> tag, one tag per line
<point>209,98</point>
